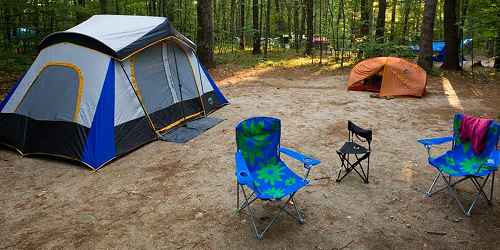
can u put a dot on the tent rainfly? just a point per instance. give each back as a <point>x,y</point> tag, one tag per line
<point>390,76</point>
<point>106,87</point>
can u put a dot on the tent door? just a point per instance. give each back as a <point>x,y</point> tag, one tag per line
<point>182,81</point>
<point>151,79</point>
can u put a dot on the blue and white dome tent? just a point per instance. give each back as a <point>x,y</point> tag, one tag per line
<point>106,87</point>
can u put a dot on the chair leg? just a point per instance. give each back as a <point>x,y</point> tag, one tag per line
<point>368,169</point>
<point>341,167</point>
<point>345,164</point>
<point>480,193</point>
<point>452,191</point>
<point>249,200</point>
<point>237,196</point>
<point>300,218</point>
<point>429,192</point>
<point>492,186</point>
<point>480,188</point>
<point>359,162</point>
<point>253,218</point>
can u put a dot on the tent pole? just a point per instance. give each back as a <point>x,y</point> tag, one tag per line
<point>202,90</point>
<point>180,86</point>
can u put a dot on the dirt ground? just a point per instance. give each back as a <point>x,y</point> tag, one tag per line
<point>175,196</point>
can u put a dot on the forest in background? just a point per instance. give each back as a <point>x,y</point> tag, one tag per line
<point>314,27</point>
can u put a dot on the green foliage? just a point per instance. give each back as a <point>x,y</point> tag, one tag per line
<point>15,63</point>
<point>374,49</point>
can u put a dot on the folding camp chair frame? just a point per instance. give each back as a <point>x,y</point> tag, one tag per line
<point>451,188</point>
<point>247,204</point>
<point>297,214</point>
<point>346,164</point>
<point>348,167</point>
<point>450,185</point>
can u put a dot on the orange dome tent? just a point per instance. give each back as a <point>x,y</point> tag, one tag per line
<point>390,76</point>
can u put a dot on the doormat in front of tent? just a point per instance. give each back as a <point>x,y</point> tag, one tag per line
<point>190,130</point>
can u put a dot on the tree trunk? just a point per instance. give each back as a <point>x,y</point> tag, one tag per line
<point>439,21</point>
<point>281,20</point>
<point>103,4</point>
<point>497,49</point>
<point>365,17</point>
<point>242,24</point>
<point>206,33</point>
<point>425,54</point>
<point>393,20</point>
<point>289,10</point>
<point>406,16</point>
<point>417,18</point>
<point>310,26</point>
<point>302,21</point>
<point>256,28</point>
<point>296,25</point>
<point>463,15</point>
<point>451,38</point>
<point>268,27</point>
<point>379,33</point>
<point>79,15</point>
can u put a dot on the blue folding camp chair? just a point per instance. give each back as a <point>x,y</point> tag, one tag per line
<point>260,170</point>
<point>462,163</point>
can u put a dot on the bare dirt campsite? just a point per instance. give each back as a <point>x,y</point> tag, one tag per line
<point>183,196</point>
<point>168,109</point>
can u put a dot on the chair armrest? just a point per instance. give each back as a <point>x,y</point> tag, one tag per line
<point>428,142</point>
<point>493,160</point>
<point>242,174</point>
<point>308,161</point>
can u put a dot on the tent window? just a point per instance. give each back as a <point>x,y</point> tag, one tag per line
<point>152,80</point>
<point>54,95</point>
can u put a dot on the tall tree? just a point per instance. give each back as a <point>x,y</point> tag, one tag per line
<point>79,15</point>
<point>310,26</point>
<point>451,36</point>
<point>425,54</point>
<point>103,5</point>
<point>406,16</point>
<point>206,33</point>
<point>281,19</point>
<point>393,20</point>
<point>268,27</point>
<point>117,8</point>
<point>256,28</point>
<point>497,49</point>
<point>417,15</point>
<point>242,24</point>
<point>379,32</point>
<point>365,17</point>
<point>296,24</point>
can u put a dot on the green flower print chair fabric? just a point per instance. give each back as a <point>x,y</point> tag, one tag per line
<point>258,163</point>
<point>461,159</point>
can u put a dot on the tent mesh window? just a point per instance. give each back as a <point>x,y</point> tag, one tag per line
<point>54,95</point>
<point>183,79</point>
<point>153,85</point>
